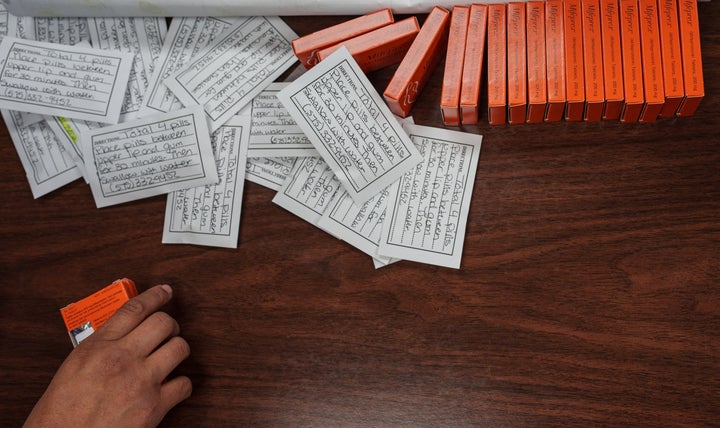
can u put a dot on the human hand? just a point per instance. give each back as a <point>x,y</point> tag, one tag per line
<point>117,376</point>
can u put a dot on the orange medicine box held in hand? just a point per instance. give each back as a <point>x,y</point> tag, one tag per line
<point>307,47</point>
<point>84,317</point>
<point>592,42</point>
<point>473,63</point>
<point>454,61</point>
<point>554,44</point>
<point>536,69</point>
<point>632,61</point>
<point>419,63</point>
<point>671,57</point>
<point>652,62</point>
<point>612,59</point>
<point>379,48</point>
<point>574,73</point>
<point>516,63</point>
<point>692,60</point>
<point>497,64</point>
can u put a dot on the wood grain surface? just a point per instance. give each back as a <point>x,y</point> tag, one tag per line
<point>588,293</point>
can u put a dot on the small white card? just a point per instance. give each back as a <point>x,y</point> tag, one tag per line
<point>269,172</point>
<point>185,38</point>
<point>350,126</point>
<point>47,164</point>
<point>242,62</point>
<point>358,225</point>
<point>428,207</point>
<point>274,132</point>
<point>65,31</point>
<point>148,157</point>
<point>141,36</point>
<point>309,189</point>
<point>210,215</point>
<point>59,80</point>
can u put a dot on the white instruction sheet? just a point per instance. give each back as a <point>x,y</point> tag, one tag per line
<point>350,126</point>
<point>428,207</point>
<point>210,215</point>
<point>243,61</point>
<point>269,172</point>
<point>58,80</point>
<point>152,156</point>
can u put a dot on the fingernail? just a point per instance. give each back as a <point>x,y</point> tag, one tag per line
<point>167,289</point>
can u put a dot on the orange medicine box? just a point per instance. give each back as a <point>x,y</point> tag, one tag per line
<point>592,42</point>
<point>537,77</point>
<point>652,61</point>
<point>379,48</point>
<point>421,59</point>
<point>692,60</point>
<point>82,318</point>
<point>472,64</point>
<point>555,54</point>
<point>671,57</point>
<point>517,63</point>
<point>612,59</point>
<point>307,47</point>
<point>632,61</point>
<point>497,64</point>
<point>454,61</point>
<point>574,73</point>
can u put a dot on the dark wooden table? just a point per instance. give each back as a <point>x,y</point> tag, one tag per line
<point>588,294</point>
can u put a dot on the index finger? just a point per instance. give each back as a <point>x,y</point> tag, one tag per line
<point>134,311</point>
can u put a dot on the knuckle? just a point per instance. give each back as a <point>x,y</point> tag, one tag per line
<point>166,321</point>
<point>182,347</point>
<point>133,307</point>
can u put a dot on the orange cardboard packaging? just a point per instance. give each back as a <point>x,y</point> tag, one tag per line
<point>307,47</point>
<point>536,65</point>
<point>574,73</point>
<point>84,317</point>
<point>454,61</point>
<point>691,55</point>
<point>421,59</point>
<point>612,59</point>
<point>652,61</point>
<point>497,64</point>
<point>379,48</point>
<point>632,61</point>
<point>671,57</point>
<point>517,62</point>
<point>472,64</point>
<point>592,43</point>
<point>555,51</point>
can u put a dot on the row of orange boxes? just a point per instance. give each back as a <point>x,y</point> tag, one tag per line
<point>632,60</point>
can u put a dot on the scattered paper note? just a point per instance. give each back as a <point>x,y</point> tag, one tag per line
<point>210,215</point>
<point>274,132</point>
<point>65,31</point>
<point>309,189</point>
<point>185,38</point>
<point>428,207</point>
<point>269,172</point>
<point>243,61</point>
<point>152,156</point>
<point>59,80</point>
<point>47,164</point>
<point>350,125</point>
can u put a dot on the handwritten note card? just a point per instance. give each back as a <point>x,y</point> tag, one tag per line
<point>241,63</point>
<point>185,38</point>
<point>350,125</point>
<point>210,215</point>
<point>155,155</point>
<point>59,80</point>
<point>65,31</point>
<point>428,207</point>
<point>143,37</point>
<point>358,225</point>
<point>47,164</point>
<point>274,132</point>
<point>269,172</point>
<point>309,189</point>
